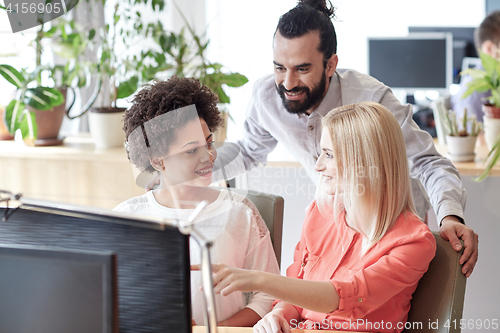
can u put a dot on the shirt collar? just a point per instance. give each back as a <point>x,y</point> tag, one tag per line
<point>332,97</point>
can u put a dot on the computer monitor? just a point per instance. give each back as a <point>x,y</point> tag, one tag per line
<point>415,62</point>
<point>152,258</point>
<point>491,5</point>
<point>53,290</point>
<point>463,44</point>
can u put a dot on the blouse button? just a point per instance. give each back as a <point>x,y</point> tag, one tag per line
<point>311,127</point>
<point>303,264</point>
<point>360,300</point>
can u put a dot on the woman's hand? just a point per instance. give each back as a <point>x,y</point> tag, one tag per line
<point>273,322</point>
<point>229,279</point>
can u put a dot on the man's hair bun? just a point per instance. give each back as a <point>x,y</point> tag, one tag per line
<point>320,5</point>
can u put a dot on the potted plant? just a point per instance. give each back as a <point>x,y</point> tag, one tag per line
<point>461,135</point>
<point>28,112</point>
<point>121,73</point>
<point>38,97</point>
<point>483,80</point>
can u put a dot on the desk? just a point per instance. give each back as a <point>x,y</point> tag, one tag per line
<point>202,329</point>
<point>74,173</point>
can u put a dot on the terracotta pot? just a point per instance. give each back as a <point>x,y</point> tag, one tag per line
<point>105,126</point>
<point>491,111</point>
<point>49,123</point>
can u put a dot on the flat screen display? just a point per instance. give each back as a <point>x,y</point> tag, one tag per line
<point>51,290</point>
<point>152,259</point>
<point>416,62</point>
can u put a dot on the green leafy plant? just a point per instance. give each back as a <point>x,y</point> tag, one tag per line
<point>45,96</point>
<point>483,80</point>
<point>467,126</point>
<point>188,56</point>
<point>486,79</point>
<point>124,72</point>
<point>491,160</point>
<point>16,115</point>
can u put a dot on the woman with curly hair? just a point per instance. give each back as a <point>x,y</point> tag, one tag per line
<point>169,127</point>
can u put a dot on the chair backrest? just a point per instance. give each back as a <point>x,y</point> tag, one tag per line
<point>438,301</point>
<point>439,108</point>
<point>271,208</point>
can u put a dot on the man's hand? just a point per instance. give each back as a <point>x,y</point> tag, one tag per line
<point>452,230</point>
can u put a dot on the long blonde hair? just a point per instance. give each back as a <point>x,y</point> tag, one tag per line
<point>373,176</point>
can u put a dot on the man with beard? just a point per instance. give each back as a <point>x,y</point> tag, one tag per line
<point>288,107</point>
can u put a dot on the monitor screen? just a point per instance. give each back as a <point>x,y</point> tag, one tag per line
<point>415,62</point>
<point>152,258</point>
<point>463,44</point>
<point>491,5</point>
<point>52,290</point>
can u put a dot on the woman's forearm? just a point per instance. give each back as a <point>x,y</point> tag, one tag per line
<point>319,296</point>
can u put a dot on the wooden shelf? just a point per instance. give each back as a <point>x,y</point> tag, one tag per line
<point>75,172</point>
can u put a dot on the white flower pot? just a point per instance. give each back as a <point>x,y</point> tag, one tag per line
<point>106,129</point>
<point>491,130</point>
<point>461,148</point>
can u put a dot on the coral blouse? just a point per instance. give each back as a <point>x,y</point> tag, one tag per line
<point>375,289</point>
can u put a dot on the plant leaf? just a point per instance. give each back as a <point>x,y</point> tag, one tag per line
<point>476,85</point>
<point>489,63</point>
<point>127,88</point>
<point>234,79</point>
<point>223,98</point>
<point>12,75</point>
<point>43,98</point>
<point>474,73</point>
<point>491,160</point>
<point>28,127</point>
<point>13,114</point>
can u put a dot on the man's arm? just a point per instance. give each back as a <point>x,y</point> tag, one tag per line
<point>236,158</point>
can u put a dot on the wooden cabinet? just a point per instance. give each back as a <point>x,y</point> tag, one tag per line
<point>74,173</point>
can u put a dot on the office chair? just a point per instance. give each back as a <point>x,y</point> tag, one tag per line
<point>440,293</point>
<point>439,107</point>
<point>271,208</point>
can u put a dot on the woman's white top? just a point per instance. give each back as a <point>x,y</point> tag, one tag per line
<point>240,239</point>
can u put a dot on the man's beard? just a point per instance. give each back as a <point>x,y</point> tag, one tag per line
<point>312,97</point>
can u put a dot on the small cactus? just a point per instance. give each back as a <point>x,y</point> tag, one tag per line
<point>452,122</point>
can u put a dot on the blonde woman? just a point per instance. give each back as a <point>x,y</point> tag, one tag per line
<point>363,249</point>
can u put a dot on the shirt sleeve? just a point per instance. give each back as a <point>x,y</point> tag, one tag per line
<point>438,176</point>
<point>261,257</point>
<point>400,268</point>
<point>256,144</point>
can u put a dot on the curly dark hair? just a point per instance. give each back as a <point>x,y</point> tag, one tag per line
<point>307,16</point>
<point>159,98</point>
